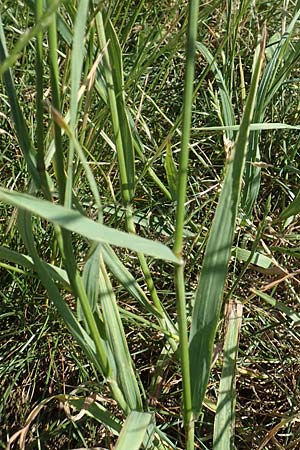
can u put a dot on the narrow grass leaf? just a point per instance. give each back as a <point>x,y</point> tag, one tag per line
<point>223,438</point>
<point>113,75</point>
<point>227,109</point>
<point>17,115</point>
<point>122,274</point>
<point>97,412</point>
<point>74,221</point>
<point>171,171</point>
<point>90,279</point>
<point>134,431</point>
<point>292,315</point>
<point>27,262</point>
<point>292,209</point>
<point>272,45</point>
<point>116,337</point>
<point>115,55</point>
<point>63,124</point>
<point>253,127</point>
<point>76,70</point>
<point>209,293</point>
<point>77,57</point>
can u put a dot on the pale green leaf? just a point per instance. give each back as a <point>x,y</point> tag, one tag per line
<point>27,262</point>
<point>74,221</point>
<point>259,259</point>
<point>134,431</point>
<point>90,279</point>
<point>96,411</point>
<point>124,375</point>
<point>84,340</point>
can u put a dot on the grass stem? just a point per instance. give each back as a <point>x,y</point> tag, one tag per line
<point>193,7</point>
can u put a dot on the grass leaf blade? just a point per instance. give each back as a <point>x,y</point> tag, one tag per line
<point>209,293</point>
<point>125,375</point>
<point>74,221</point>
<point>134,431</point>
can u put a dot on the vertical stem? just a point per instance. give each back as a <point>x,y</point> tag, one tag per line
<point>187,117</point>
<point>39,102</point>
<point>184,357</point>
<point>180,216</point>
<point>54,74</point>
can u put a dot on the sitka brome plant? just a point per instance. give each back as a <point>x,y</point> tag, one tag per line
<point>136,224</point>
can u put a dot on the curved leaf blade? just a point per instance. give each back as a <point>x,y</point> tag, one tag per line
<point>74,221</point>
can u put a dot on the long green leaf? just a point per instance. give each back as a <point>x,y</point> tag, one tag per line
<point>76,69</point>
<point>74,221</point>
<point>125,375</point>
<point>90,278</point>
<point>95,410</point>
<point>115,55</point>
<point>253,127</point>
<point>63,124</point>
<point>171,171</point>
<point>292,209</point>
<point>17,114</point>
<point>122,274</point>
<point>209,293</point>
<point>113,75</point>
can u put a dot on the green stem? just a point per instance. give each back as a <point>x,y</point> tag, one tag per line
<point>184,357</point>
<point>180,216</point>
<point>144,266</point>
<point>54,74</point>
<point>39,103</point>
<point>187,118</point>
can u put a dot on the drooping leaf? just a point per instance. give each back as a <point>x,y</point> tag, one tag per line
<point>74,221</point>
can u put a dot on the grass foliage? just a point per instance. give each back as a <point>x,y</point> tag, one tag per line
<point>149,236</point>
